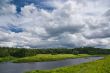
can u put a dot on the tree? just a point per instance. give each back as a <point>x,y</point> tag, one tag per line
<point>75,52</point>
<point>19,53</point>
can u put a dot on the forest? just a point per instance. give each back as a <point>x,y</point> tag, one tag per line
<point>23,52</point>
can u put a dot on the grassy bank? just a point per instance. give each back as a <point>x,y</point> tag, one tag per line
<point>48,57</point>
<point>5,59</point>
<point>99,66</point>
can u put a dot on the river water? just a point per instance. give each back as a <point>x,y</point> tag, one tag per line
<point>8,67</point>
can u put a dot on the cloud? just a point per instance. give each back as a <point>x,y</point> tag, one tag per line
<point>71,23</point>
<point>6,7</point>
<point>107,13</point>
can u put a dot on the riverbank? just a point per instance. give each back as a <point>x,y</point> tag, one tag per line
<point>6,59</point>
<point>99,66</point>
<point>48,57</point>
<point>42,57</point>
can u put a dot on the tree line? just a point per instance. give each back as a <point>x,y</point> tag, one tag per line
<point>22,52</point>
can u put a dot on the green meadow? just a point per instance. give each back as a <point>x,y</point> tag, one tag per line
<point>99,66</point>
<point>41,57</point>
<point>48,57</point>
<point>6,59</point>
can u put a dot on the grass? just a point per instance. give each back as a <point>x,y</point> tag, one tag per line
<point>99,66</point>
<point>5,59</point>
<point>48,57</point>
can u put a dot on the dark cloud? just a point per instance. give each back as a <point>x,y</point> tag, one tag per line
<point>55,31</point>
<point>107,13</point>
<point>99,34</point>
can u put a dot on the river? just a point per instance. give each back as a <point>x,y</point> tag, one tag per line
<point>8,67</point>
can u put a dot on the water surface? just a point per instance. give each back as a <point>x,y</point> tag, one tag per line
<point>8,67</point>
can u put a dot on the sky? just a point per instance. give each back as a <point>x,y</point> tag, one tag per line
<point>54,23</point>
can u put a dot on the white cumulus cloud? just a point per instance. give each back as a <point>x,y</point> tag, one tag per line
<point>72,23</point>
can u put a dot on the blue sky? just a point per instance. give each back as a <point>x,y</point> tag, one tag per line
<point>54,23</point>
<point>38,3</point>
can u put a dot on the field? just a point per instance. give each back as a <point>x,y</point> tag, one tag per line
<point>5,59</point>
<point>48,57</point>
<point>99,66</point>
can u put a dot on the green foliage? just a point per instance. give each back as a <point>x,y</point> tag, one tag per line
<point>75,52</point>
<point>19,53</point>
<point>22,52</point>
<point>5,59</point>
<point>4,52</point>
<point>99,66</point>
